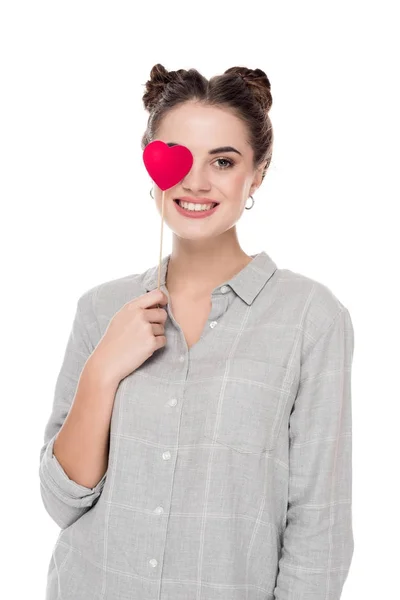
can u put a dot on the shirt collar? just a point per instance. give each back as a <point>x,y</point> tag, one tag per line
<point>246,284</point>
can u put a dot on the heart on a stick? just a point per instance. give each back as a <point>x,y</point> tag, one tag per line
<point>167,165</point>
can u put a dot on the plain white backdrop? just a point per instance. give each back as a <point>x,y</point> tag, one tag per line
<point>76,211</point>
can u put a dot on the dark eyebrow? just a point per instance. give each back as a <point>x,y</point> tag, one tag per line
<point>220,150</point>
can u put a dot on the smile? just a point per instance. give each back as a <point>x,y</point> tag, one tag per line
<point>195,211</point>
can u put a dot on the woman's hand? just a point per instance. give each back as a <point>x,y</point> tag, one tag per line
<point>134,333</point>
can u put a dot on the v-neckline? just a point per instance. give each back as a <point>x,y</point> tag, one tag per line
<point>194,346</point>
<point>182,322</point>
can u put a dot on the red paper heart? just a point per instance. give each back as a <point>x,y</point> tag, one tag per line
<point>167,165</point>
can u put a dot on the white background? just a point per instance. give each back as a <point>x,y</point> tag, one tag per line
<point>76,211</point>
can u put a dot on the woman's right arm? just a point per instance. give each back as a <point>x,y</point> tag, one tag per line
<point>82,444</point>
<point>74,452</point>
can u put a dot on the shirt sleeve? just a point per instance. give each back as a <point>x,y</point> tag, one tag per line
<point>64,499</point>
<point>318,543</point>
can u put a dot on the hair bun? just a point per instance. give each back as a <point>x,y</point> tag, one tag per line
<point>159,77</point>
<point>258,83</point>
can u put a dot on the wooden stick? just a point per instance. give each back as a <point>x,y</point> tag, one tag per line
<point>161,240</point>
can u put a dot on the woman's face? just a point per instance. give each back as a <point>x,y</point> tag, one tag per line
<point>227,177</point>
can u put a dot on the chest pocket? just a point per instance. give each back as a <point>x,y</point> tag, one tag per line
<point>246,413</point>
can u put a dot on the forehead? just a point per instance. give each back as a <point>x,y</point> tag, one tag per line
<point>197,125</point>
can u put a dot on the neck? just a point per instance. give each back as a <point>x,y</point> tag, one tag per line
<point>197,267</point>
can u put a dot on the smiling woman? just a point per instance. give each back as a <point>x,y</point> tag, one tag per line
<point>217,464</point>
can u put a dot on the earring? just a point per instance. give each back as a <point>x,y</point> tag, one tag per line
<point>250,207</point>
<point>151,193</point>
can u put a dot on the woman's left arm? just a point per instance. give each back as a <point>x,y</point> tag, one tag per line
<point>318,539</point>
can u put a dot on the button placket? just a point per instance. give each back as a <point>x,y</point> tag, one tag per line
<point>159,510</point>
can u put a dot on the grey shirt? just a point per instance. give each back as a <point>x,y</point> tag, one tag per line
<point>229,473</point>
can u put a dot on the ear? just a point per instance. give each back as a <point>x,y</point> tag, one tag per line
<point>257,179</point>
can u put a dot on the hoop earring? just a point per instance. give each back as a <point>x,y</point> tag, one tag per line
<point>250,207</point>
<point>151,193</point>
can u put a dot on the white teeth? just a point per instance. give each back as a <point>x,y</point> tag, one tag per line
<point>195,207</point>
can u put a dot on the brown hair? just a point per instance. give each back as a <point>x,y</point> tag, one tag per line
<point>247,92</point>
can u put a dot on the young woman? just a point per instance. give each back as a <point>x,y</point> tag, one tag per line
<point>199,445</point>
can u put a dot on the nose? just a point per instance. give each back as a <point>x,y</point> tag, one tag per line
<point>196,180</point>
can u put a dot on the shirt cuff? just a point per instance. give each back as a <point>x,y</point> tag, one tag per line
<point>64,487</point>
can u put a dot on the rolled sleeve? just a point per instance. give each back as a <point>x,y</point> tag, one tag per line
<point>318,540</point>
<point>65,488</point>
<point>64,499</point>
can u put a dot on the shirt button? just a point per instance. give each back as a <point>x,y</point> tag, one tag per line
<point>172,402</point>
<point>159,510</point>
<point>213,324</point>
<point>153,562</point>
<point>181,358</point>
<point>224,289</point>
<point>166,455</point>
